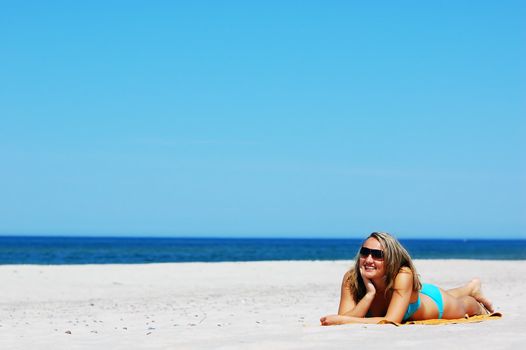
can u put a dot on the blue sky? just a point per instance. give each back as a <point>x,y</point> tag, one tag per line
<point>263,118</point>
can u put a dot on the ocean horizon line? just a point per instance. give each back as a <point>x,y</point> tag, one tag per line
<point>262,237</point>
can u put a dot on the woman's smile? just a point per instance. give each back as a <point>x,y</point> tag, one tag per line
<point>371,258</point>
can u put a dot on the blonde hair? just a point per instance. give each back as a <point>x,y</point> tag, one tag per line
<point>395,258</point>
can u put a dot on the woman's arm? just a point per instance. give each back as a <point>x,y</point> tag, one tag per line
<point>349,311</point>
<point>348,306</point>
<point>347,302</point>
<point>332,320</point>
<point>403,288</point>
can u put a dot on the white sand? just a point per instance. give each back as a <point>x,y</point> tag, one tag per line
<point>257,305</point>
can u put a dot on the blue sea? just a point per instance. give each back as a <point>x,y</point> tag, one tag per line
<point>98,250</point>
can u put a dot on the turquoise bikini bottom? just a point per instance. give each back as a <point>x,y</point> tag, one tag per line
<point>431,291</point>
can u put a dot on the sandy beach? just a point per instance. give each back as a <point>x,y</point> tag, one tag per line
<point>248,305</point>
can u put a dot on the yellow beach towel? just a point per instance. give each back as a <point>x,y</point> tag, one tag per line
<point>478,318</point>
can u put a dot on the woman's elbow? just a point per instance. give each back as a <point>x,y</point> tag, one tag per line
<point>393,318</point>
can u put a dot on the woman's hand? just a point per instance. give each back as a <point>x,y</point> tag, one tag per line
<point>332,320</point>
<point>369,286</point>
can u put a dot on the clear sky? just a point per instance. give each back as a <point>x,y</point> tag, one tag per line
<point>263,118</point>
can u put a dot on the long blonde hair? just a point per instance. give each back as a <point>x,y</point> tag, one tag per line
<point>395,257</point>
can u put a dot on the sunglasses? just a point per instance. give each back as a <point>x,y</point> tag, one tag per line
<point>375,253</point>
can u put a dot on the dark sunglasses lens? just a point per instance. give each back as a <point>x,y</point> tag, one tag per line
<point>375,253</point>
<point>364,252</point>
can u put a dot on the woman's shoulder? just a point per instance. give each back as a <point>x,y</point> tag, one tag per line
<point>347,277</point>
<point>405,270</point>
<point>404,279</point>
<point>351,276</point>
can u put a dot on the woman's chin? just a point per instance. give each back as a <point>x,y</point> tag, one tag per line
<point>371,274</point>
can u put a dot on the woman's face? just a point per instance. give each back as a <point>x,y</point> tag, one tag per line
<point>373,266</point>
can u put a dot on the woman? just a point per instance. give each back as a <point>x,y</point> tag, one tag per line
<point>384,285</point>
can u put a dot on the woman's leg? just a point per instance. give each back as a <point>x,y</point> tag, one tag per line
<point>472,289</point>
<point>458,307</point>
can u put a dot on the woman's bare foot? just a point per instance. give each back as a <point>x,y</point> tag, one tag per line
<point>476,292</point>
<point>483,310</point>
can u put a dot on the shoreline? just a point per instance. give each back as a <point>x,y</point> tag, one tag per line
<point>259,305</point>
